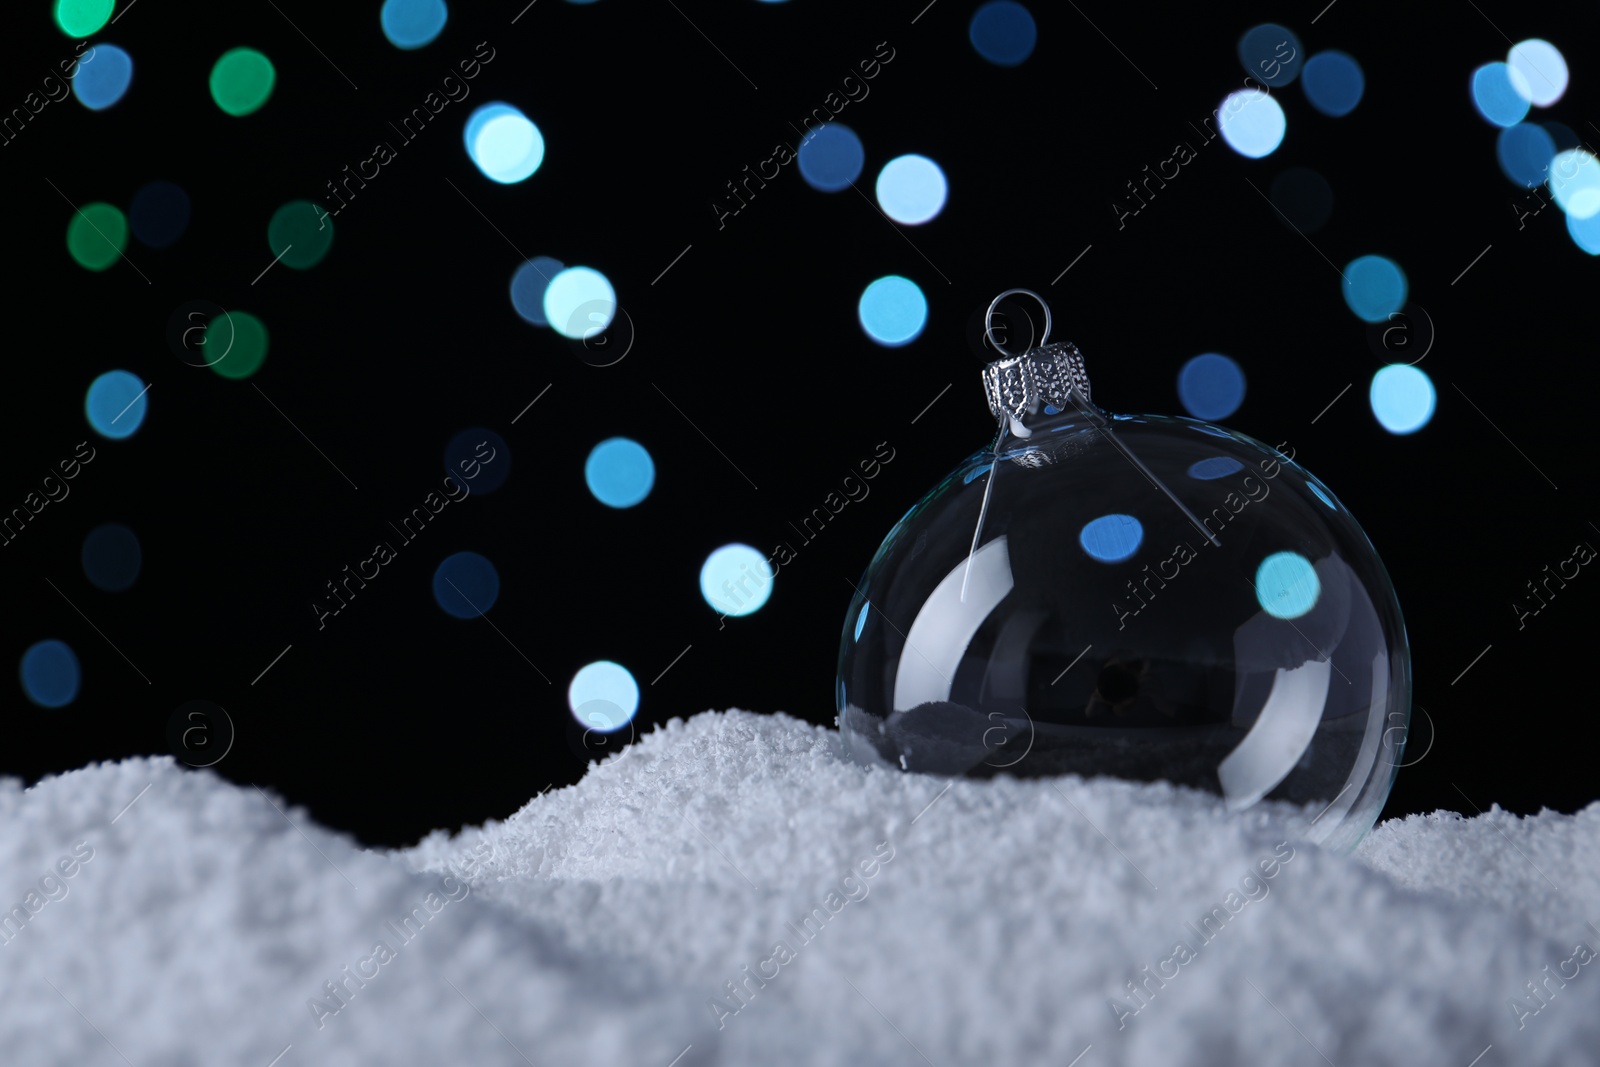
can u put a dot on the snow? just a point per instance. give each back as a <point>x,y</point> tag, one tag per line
<point>922,921</point>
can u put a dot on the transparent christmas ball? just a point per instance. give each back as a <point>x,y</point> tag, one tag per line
<point>1145,597</point>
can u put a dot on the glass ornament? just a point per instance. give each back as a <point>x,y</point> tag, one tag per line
<point>1141,596</point>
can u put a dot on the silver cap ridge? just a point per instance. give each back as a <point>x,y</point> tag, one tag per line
<point>1050,373</point>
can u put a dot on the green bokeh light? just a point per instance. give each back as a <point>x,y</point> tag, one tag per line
<point>96,236</point>
<point>244,341</point>
<point>242,81</point>
<point>300,233</point>
<point>80,18</point>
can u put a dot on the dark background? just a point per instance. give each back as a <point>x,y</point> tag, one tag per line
<point>396,718</point>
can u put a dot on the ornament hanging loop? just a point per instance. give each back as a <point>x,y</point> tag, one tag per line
<point>988,321</point>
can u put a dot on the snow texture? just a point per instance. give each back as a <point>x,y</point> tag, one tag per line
<point>921,921</point>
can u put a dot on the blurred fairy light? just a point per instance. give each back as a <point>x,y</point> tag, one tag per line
<point>579,302</point>
<point>159,214</point>
<point>80,18</point>
<point>111,557</point>
<point>528,285</point>
<point>1525,151</point>
<point>1402,398</point>
<point>912,189</point>
<point>1211,386</point>
<point>1251,122</point>
<point>466,585</point>
<point>410,24</point>
<point>1003,32</point>
<point>242,81</point>
<point>603,696</point>
<point>736,580</point>
<point>50,674</point>
<point>1539,71</point>
<point>893,311</point>
<point>504,143</point>
<point>1374,288</point>
<point>115,404</point>
<point>619,472</point>
<point>105,81</point>
<point>1575,182</point>
<point>1496,96</point>
<point>1271,54</point>
<point>831,159</point>
<point>96,236</point>
<point>1333,82</point>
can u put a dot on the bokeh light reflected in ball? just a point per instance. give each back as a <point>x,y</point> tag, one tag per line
<point>1499,94</point>
<point>96,235</point>
<point>504,143</point>
<point>1542,68</point>
<point>1333,83</point>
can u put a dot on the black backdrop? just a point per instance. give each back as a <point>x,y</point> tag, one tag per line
<point>248,496</point>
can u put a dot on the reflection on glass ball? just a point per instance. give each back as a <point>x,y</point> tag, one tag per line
<point>1138,596</point>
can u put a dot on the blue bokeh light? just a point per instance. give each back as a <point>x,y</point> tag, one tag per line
<point>1334,83</point>
<point>159,214</point>
<point>1207,470</point>
<point>1585,233</point>
<point>413,23</point>
<point>1287,585</point>
<point>893,311</point>
<point>1402,398</point>
<point>1575,182</point>
<point>1251,122</point>
<point>50,674</point>
<point>1271,54</point>
<point>832,158</point>
<point>1003,32</point>
<point>603,696</point>
<point>479,459</point>
<point>466,585</point>
<point>619,472</point>
<point>1211,386</point>
<point>116,404</point>
<point>102,83</point>
<point>1374,288</point>
<point>912,189</point>
<point>504,143</point>
<point>1525,151</point>
<point>1542,68</point>
<point>1111,538</point>
<point>579,302</point>
<point>1496,97</point>
<point>528,285</point>
<point>112,557</point>
<point>736,580</point>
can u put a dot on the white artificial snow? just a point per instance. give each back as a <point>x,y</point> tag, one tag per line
<point>992,922</point>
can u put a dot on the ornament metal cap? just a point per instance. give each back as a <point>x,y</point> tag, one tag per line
<point>1051,373</point>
